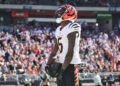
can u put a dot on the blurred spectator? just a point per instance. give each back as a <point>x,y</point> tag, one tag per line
<point>110,80</point>
<point>97,79</point>
<point>7,56</point>
<point>104,81</point>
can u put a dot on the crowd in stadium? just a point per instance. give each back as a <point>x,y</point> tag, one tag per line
<point>107,3</point>
<point>25,51</point>
<point>25,48</point>
<point>99,49</point>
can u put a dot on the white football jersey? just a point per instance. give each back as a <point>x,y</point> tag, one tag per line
<point>62,40</point>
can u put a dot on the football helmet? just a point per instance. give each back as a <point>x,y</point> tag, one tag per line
<point>66,12</point>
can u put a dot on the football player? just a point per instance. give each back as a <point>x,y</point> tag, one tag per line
<point>66,48</point>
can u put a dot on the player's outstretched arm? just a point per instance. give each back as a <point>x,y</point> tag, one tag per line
<point>54,52</point>
<point>69,55</point>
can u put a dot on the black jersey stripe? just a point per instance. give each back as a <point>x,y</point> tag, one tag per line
<point>74,25</point>
<point>70,25</point>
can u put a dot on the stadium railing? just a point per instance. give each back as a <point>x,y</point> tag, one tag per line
<point>83,76</point>
<point>87,76</point>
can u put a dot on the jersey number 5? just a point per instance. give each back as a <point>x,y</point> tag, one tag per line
<point>60,45</point>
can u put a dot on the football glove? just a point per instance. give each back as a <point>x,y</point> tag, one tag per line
<point>53,69</point>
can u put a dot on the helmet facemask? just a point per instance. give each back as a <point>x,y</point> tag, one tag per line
<point>59,14</point>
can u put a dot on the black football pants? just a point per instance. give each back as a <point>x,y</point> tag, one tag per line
<point>70,76</point>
